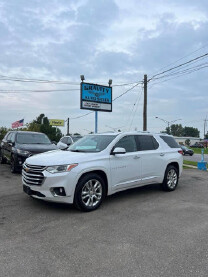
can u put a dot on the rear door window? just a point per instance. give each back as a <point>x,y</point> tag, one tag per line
<point>170,141</point>
<point>146,142</point>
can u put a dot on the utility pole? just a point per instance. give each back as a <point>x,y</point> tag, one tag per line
<point>67,126</point>
<point>145,104</point>
<point>205,124</point>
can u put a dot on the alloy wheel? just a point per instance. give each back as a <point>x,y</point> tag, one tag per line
<point>91,193</point>
<point>172,178</point>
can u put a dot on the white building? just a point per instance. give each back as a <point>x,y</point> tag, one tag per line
<point>181,140</point>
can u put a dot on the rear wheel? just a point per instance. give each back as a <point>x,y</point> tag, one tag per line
<point>170,181</point>
<point>89,193</point>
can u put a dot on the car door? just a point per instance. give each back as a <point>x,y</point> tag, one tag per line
<point>125,168</point>
<point>9,145</point>
<point>152,159</point>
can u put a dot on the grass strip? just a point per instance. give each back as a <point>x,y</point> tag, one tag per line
<point>198,150</point>
<point>190,163</point>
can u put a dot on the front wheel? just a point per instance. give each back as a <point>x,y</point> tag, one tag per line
<point>13,165</point>
<point>170,181</point>
<point>2,159</point>
<point>89,193</point>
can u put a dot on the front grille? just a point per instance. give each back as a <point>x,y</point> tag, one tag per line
<point>32,174</point>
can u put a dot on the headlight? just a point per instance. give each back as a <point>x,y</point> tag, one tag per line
<point>23,152</point>
<point>60,168</point>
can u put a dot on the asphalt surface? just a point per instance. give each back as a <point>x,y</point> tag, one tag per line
<point>195,158</point>
<point>142,232</point>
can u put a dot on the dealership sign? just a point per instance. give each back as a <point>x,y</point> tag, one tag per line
<point>57,122</point>
<point>96,97</point>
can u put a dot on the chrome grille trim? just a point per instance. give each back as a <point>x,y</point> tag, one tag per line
<point>32,174</point>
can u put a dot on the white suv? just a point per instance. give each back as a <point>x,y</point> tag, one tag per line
<point>102,164</point>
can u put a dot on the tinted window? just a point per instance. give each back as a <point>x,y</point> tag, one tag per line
<point>92,143</point>
<point>9,136</point>
<point>29,138</point>
<point>170,141</point>
<point>69,140</point>
<point>128,143</point>
<point>12,138</point>
<point>64,140</point>
<point>146,142</point>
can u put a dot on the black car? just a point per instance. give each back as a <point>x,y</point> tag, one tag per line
<point>17,146</point>
<point>187,151</point>
<point>197,145</point>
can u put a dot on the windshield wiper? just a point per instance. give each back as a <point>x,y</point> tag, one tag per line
<point>76,150</point>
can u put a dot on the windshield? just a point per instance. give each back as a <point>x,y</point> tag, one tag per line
<point>33,139</point>
<point>92,143</point>
<point>76,138</point>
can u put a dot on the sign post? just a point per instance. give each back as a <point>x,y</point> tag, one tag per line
<point>96,98</point>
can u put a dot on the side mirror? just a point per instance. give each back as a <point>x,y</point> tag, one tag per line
<point>69,143</point>
<point>10,142</point>
<point>119,150</point>
<point>63,147</point>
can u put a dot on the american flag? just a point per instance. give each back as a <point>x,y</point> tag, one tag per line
<point>18,123</point>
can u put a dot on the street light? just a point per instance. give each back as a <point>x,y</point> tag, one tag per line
<point>168,122</point>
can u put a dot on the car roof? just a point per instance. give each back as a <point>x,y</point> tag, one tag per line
<point>131,133</point>
<point>25,132</point>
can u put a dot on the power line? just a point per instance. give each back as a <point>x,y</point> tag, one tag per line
<point>180,65</point>
<point>185,56</point>
<point>27,90</point>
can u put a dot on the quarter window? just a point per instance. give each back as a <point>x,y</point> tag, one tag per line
<point>170,141</point>
<point>128,143</point>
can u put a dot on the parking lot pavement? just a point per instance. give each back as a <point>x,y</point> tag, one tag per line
<point>142,232</point>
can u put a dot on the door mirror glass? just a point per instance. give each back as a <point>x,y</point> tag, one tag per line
<point>119,150</point>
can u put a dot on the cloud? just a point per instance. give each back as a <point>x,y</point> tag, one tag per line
<point>119,39</point>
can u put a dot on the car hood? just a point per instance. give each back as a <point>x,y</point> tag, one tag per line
<point>36,148</point>
<point>60,157</point>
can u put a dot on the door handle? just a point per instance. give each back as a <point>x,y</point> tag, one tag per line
<point>162,154</point>
<point>136,157</point>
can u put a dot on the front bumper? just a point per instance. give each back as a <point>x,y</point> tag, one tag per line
<point>50,181</point>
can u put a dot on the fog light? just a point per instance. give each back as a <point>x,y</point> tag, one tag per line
<point>60,191</point>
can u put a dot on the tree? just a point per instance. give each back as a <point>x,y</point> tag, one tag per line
<point>167,130</point>
<point>187,142</point>
<point>190,132</point>
<point>3,131</point>
<point>41,124</point>
<point>176,130</point>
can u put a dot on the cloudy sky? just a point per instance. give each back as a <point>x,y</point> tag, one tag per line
<point>121,40</point>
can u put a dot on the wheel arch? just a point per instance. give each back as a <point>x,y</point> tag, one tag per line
<point>175,164</point>
<point>101,173</point>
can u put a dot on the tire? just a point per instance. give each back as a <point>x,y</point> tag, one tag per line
<point>89,193</point>
<point>171,177</point>
<point>13,167</point>
<point>2,159</point>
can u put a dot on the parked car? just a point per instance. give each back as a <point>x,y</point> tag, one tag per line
<point>197,145</point>
<point>65,142</point>
<point>16,146</point>
<point>187,151</point>
<point>102,164</point>
<point>76,138</point>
